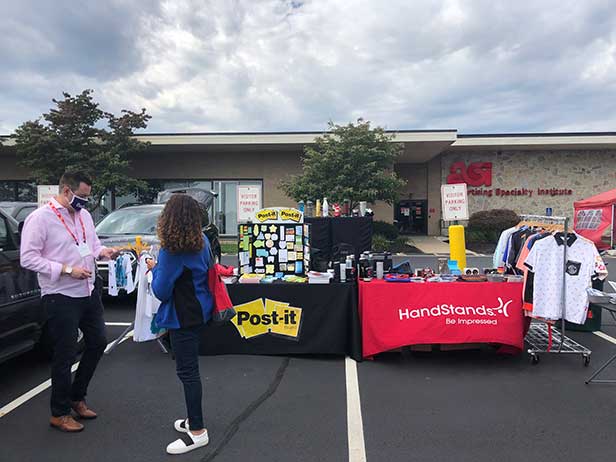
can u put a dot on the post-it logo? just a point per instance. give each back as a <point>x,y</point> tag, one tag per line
<point>265,316</point>
<point>291,215</point>
<point>267,215</point>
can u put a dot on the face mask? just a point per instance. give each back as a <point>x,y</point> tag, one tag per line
<point>78,203</point>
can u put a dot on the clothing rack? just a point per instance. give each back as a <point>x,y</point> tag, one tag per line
<point>128,331</point>
<point>540,337</point>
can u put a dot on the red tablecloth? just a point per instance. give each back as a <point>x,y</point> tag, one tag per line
<point>400,314</point>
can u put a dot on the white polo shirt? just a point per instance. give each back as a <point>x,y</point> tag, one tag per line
<point>546,261</point>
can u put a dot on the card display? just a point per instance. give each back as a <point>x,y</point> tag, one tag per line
<point>274,248</point>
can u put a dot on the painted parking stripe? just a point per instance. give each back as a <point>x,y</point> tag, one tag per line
<point>41,388</point>
<point>604,336</point>
<point>355,426</point>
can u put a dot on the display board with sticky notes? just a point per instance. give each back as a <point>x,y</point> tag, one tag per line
<point>273,248</point>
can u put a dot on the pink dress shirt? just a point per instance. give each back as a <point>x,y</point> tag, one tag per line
<point>46,245</point>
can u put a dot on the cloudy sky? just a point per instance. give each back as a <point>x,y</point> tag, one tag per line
<point>480,66</point>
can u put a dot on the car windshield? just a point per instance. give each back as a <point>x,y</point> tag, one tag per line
<point>130,221</point>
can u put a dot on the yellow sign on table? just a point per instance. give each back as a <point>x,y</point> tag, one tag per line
<point>265,316</point>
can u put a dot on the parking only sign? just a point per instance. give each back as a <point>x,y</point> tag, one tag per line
<point>45,193</point>
<point>248,202</point>
<point>455,202</point>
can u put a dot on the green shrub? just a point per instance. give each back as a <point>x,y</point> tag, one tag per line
<point>385,229</point>
<point>487,225</point>
<point>380,243</point>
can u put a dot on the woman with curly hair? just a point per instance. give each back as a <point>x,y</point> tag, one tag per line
<point>180,283</point>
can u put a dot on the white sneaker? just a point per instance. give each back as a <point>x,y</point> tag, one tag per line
<point>181,426</point>
<point>187,443</point>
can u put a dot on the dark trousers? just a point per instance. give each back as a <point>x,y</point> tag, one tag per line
<point>185,345</point>
<point>65,316</point>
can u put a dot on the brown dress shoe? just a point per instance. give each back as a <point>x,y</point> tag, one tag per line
<point>66,423</point>
<point>82,410</point>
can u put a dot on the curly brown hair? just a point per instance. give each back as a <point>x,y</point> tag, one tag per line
<point>179,225</point>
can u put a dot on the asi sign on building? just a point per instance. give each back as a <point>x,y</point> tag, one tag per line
<point>455,202</point>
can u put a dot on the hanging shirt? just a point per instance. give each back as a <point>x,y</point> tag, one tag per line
<point>529,276</point>
<point>497,258</point>
<point>112,283</point>
<point>147,304</point>
<point>545,260</point>
<point>121,275</point>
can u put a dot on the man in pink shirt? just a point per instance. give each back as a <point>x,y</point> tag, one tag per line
<point>59,242</point>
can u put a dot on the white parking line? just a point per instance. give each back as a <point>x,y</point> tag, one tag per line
<point>604,336</point>
<point>124,324</point>
<point>4,410</point>
<point>355,425</point>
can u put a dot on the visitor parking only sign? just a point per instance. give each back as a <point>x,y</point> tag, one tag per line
<point>454,201</point>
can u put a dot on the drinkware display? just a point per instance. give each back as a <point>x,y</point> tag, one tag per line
<point>346,208</point>
<point>362,208</point>
<point>309,209</point>
<point>379,270</point>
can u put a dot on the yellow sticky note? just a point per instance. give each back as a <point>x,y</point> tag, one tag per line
<point>289,321</point>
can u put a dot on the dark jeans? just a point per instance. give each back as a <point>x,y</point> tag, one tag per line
<point>65,315</point>
<point>185,345</point>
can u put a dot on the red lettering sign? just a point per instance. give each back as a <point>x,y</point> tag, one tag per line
<point>476,174</point>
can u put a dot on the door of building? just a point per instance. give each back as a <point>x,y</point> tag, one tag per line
<point>412,216</point>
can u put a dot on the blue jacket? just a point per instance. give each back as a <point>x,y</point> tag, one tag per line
<point>179,281</point>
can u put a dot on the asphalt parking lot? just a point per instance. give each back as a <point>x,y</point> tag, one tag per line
<point>462,406</point>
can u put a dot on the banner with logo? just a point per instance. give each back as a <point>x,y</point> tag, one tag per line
<point>288,319</point>
<point>400,314</point>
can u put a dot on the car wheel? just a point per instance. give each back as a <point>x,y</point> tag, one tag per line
<point>45,348</point>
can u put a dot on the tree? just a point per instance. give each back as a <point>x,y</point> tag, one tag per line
<point>77,135</point>
<point>352,162</point>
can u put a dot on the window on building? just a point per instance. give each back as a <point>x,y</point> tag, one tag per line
<point>589,219</point>
<point>17,191</point>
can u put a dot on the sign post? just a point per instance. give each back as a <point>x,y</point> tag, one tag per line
<point>45,193</point>
<point>455,207</point>
<point>248,202</point>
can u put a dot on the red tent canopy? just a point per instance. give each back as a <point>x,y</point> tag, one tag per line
<point>594,218</point>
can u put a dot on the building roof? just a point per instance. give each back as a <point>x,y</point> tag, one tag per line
<point>419,145</point>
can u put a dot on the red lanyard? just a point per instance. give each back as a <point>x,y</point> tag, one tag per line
<point>83,228</point>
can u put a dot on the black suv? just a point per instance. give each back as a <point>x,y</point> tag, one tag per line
<point>22,318</point>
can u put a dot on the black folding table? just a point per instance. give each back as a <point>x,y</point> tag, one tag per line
<point>610,308</point>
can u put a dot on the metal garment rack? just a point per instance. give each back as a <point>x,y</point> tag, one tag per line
<point>540,337</point>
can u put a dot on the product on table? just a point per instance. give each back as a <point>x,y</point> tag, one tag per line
<point>325,207</point>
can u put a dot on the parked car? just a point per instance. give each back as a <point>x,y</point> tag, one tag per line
<point>18,210</point>
<point>121,227</point>
<point>22,316</point>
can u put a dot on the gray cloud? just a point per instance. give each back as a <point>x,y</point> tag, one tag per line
<point>482,66</point>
